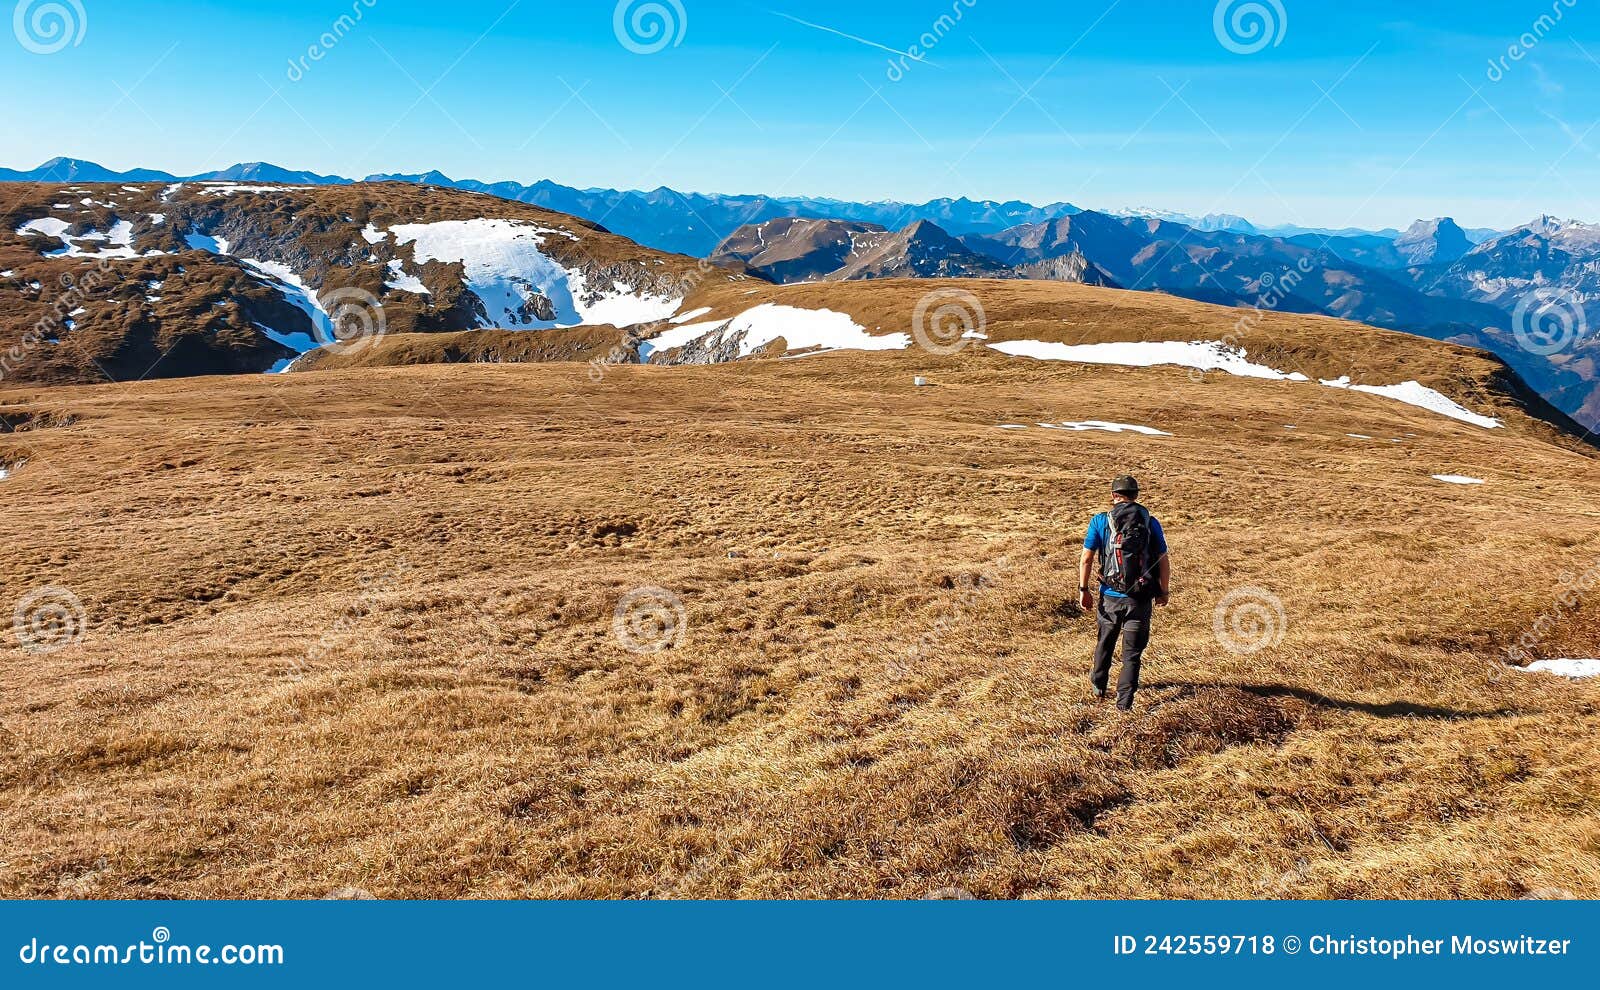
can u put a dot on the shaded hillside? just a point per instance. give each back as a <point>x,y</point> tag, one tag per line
<point>132,281</point>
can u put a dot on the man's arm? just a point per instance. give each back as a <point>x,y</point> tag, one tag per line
<point>1085,571</point>
<point>1166,580</point>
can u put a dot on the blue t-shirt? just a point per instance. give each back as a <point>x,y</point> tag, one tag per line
<point>1099,536</point>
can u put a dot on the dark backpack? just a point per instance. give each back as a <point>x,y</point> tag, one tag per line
<point>1128,564</point>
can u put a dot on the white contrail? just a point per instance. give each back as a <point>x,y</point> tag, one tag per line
<point>858,40</point>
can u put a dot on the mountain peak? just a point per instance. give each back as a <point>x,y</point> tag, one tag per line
<point>1436,241</point>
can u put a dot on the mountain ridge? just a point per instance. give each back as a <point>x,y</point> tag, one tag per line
<point>703,219</point>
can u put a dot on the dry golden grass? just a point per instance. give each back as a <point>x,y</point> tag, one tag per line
<point>355,628</point>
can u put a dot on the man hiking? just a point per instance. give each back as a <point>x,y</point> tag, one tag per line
<point>1134,574</point>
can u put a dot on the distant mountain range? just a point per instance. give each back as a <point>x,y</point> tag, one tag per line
<point>696,223</point>
<point>1529,295</point>
<point>1515,294</point>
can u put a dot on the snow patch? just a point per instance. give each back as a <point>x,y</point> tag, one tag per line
<point>506,270</point>
<point>302,297</point>
<point>293,288</point>
<point>1417,394</point>
<point>693,314</point>
<point>1095,424</point>
<point>667,340</point>
<point>48,226</point>
<point>1202,355</point>
<point>802,329</point>
<point>403,280</point>
<point>1217,356</point>
<point>1565,668</point>
<point>372,235</point>
<point>230,188</point>
<point>118,241</point>
<point>1458,479</point>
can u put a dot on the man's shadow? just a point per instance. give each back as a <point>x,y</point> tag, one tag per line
<point>1392,709</point>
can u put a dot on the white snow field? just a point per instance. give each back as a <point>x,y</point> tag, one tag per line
<point>1417,394</point>
<point>118,240</point>
<point>1216,356</point>
<point>505,269</point>
<point>399,278</point>
<point>294,290</point>
<point>1096,424</point>
<point>1201,355</point>
<point>1566,668</point>
<point>801,329</point>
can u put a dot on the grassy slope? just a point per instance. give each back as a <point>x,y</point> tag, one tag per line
<point>356,628</point>
<point>1315,346</point>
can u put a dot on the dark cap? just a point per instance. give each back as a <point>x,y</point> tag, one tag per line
<point>1125,485</point>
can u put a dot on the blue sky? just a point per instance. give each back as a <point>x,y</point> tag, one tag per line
<point>1357,113</point>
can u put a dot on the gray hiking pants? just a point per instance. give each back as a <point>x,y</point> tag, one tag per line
<point>1128,620</point>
